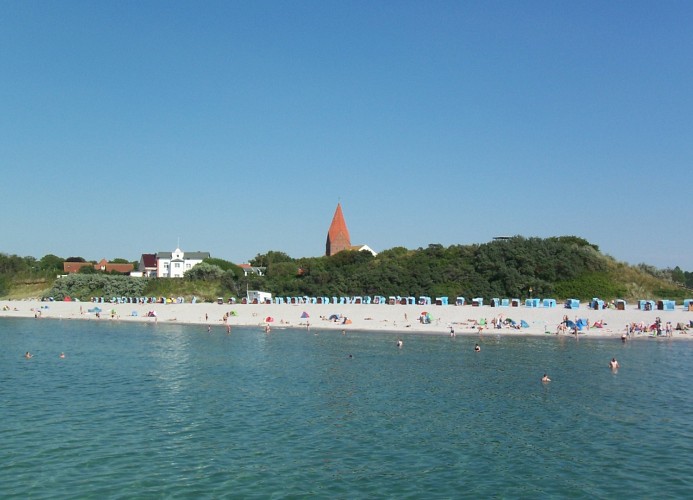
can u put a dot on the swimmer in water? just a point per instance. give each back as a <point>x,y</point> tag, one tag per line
<point>545,378</point>
<point>62,355</point>
<point>477,348</point>
<point>613,364</point>
<point>400,343</point>
<point>28,355</point>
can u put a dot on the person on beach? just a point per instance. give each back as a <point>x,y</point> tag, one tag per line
<point>613,364</point>
<point>477,348</point>
<point>545,378</point>
<point>452,331</point>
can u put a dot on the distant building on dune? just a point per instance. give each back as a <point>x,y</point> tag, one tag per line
<point>338,238</point>
<point>249,269</point>
<point>363,248</point>
<point>103,265</point>
<point>174,264</point>
<point>147,266</point>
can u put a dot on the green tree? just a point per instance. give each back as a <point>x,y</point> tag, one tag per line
<point>51,262</point>
<point>204,272</point>
<point>270,258</point>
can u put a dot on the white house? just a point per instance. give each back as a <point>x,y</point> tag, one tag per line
<point>174,264</point>
<point>364,248</point>
<point>248,270</point>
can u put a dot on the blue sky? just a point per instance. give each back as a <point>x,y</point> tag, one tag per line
<point>237,127</point>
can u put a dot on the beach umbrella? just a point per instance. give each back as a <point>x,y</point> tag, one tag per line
<point>305,315</point>
<point>269,319</point>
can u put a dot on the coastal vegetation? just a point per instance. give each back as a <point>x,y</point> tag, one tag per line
<point>558,267</point>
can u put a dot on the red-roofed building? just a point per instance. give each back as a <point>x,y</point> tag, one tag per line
<point>338,238</point>
<point>103,265</point>
<point>147,264</point>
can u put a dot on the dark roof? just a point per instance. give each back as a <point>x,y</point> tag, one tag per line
<point>149,259</point>
<point>187,255</point>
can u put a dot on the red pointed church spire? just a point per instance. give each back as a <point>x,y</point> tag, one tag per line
<point>338,235</point>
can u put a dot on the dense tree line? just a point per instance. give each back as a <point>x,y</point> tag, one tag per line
<point>501,268</point>
<point>559,267</point>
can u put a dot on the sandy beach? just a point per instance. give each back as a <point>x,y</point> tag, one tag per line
<point>464,320</point>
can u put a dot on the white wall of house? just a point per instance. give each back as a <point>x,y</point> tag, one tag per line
<point>174,264</point>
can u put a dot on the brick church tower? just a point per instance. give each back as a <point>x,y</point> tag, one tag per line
<point>338,235</point>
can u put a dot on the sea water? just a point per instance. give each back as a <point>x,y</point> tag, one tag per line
<point>173,411</point>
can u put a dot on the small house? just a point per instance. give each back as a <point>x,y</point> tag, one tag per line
<point>620,305</point>
<point>515,303</point>
<point>477,302</point>
<point>532,303</point>
<point>258,297</point>
<point>495,302</point>
<point>548,303</point>
<point>459,301</point>
<point>441,301</point>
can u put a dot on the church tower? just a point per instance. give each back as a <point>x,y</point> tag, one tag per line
<point>338,234</point>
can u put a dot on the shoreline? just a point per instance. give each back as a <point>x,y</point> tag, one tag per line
<point>399,319</point>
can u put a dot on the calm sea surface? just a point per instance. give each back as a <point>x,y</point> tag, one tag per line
<point>170,411</point>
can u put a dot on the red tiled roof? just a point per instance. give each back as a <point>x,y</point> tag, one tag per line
<point>73,267</point>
